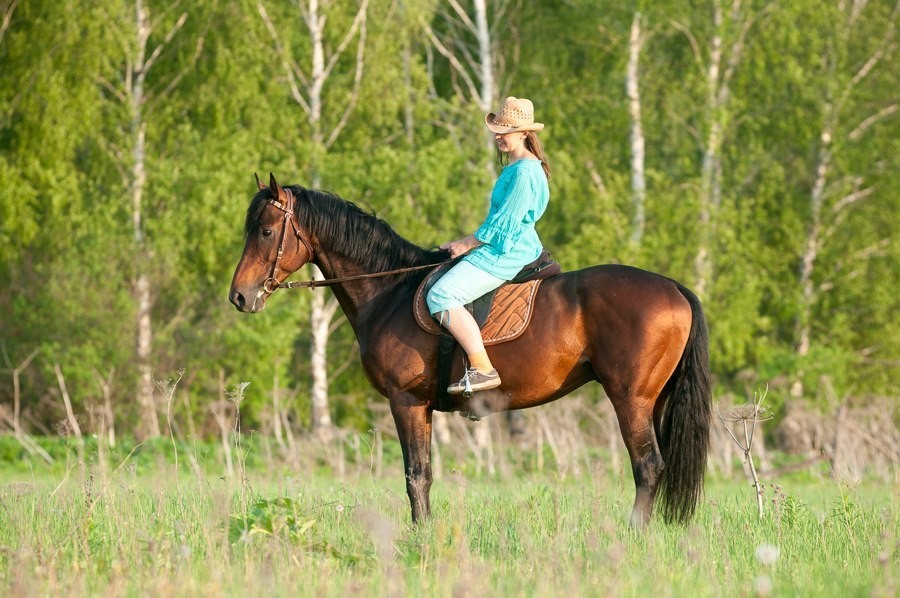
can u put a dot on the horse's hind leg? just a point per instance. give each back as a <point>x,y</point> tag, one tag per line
<point>635,415</point>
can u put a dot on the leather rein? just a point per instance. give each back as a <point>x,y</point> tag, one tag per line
<point>271,284</point>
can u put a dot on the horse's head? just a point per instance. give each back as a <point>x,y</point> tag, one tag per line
<point>275,247</point>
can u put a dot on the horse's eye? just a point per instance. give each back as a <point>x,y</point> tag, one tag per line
<point>266,232</point>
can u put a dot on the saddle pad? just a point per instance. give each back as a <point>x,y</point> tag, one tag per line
<point>510,312</point>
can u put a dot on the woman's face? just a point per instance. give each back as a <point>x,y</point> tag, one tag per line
<point>510,142</point>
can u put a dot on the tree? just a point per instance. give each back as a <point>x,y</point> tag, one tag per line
<point>137,95</point>
<point>307,89</point>
<point>725,51</point>
<point>476,69</point>
<point>837,188</point>
<point>632,89</point>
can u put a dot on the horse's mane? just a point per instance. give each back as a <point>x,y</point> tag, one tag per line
<point>357,235</point>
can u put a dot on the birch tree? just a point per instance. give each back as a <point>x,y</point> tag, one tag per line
<point>144,40</point>
<point>722,59</point>
<point>306,85</point>
<point>834,194</point>
<point>7,8</point>
<point>632,89</point>
<point>468,43</point>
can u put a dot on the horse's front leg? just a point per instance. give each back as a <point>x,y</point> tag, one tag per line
<point>413,421</point>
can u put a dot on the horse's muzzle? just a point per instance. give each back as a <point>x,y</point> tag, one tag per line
<point>241,302</point>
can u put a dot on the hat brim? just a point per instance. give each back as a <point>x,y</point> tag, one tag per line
<point>504,129</point>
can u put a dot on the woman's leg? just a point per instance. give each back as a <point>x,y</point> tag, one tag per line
<point>465,330</point>
<point>461,285</point>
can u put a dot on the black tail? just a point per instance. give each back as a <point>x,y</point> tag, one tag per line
<point>684,439</point>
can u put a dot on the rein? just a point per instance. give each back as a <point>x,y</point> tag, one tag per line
<point>312,284</point>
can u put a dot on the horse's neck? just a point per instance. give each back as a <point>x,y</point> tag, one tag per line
<point>335,261</point>
<point>357,295</point>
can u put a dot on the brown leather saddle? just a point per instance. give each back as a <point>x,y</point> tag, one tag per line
<point>502,315</point>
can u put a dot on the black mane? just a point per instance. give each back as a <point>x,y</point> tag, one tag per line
<point>348,230</point>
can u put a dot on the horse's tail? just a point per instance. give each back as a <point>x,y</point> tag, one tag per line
<point>684,438</point>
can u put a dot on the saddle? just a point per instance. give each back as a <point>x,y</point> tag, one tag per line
<point>502,315</point>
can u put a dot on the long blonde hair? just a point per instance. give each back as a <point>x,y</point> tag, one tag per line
<point>533,144</point>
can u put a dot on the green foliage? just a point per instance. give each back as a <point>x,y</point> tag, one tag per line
<point>412,151</point>
<point>277,517</point>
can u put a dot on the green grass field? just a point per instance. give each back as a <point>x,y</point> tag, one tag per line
<point>137,527</point>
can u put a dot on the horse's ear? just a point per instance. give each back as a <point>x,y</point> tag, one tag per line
<point>259,183</point>
<point>276,189</point>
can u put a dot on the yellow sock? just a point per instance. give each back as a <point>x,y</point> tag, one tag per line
<point>481,362</point>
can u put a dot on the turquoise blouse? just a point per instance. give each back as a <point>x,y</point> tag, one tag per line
<point>509,240</point>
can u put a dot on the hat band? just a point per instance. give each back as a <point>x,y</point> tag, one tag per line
<point>508,124</point>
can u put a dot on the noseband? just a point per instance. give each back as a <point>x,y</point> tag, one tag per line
<point>270,285</point>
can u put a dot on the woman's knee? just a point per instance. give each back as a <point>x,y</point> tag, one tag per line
<point>435,302</point>
<point>441,297</point>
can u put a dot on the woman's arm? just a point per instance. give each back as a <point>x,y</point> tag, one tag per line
<point>461,246</point>
<point>506,222</point>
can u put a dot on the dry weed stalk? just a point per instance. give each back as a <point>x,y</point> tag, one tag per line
<point>167,388</point>
<point>748,416</point>
<point>17,402</point>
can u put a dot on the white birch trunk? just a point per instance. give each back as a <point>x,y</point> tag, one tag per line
<point>632,88</point>
<point>142,290</point>
<point>811,252</point>
<point>703,261</point>
<point>6,10</point>
<point>320,318</point>
<point>718,94</point>
<point>478,72</point>
<point>134,95</point>
<point>488,98</point>
<point>488,92</point>
<point>322,311</point>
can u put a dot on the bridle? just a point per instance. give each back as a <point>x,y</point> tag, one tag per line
<point>271,284</point>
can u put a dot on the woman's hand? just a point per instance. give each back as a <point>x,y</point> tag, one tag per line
<point>461,246</point>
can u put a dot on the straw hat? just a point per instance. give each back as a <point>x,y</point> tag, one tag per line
<point>515,114</point>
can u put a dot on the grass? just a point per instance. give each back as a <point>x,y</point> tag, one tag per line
<point>149,529</point>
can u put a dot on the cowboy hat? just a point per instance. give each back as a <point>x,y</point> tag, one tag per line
<point>515,114</point>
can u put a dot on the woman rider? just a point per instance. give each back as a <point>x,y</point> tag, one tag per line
<point>502,245</point>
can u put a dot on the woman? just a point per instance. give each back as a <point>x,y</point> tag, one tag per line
<point>503,245</point>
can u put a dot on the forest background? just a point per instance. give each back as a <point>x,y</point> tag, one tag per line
<point>747,148</point>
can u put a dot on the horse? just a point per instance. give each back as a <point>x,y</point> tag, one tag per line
<point>641,335</point>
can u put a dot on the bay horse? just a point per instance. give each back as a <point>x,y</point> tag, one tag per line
<point>641,335</point>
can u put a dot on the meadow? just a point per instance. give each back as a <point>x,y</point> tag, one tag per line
<point>162,520</point>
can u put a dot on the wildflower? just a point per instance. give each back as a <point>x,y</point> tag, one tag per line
<point>762,585</point>
<point>767,554</point>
